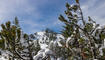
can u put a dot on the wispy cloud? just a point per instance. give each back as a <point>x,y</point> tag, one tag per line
<point>23,9</point>
<point>11,8</point>
<point>95,9</point>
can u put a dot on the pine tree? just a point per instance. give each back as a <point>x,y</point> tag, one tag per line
<point>16,42</point>
<point>32,47</point>
<point>50,35</point>
<point>81,35</point>
<point>11,34</point>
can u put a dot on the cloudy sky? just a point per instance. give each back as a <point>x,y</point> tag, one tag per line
<point>36,15</point>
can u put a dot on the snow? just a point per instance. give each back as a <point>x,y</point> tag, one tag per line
<point>41,33</point>
<point>43,53</point>
<point>46,49</point>
<point>3,58</point>
<point>43,46</point>
<point>67,42</point>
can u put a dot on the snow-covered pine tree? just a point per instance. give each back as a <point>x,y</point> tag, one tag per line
<point>18,44</point>
<point>83,37</point>
<point>31,47</point>
<point>11,35</point>
<point>50,35</point>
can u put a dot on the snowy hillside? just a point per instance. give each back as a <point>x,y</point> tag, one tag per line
<point>45,40</point>
<point>46,44</point>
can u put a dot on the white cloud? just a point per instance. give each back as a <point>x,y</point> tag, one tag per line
<point>11,8</point>
<point>23,9</point>
<point>95,9</point>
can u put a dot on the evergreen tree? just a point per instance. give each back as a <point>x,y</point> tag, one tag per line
<point>11,35</point>
<point>32,47</point>
<point>50,35</point>
<point>16,42</point>
<point>81,35</point>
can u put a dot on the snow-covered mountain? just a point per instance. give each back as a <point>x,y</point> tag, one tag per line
<point>47,42</point>
<point>44,39</point>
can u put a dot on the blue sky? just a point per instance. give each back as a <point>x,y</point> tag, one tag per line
<point>36,15</point>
